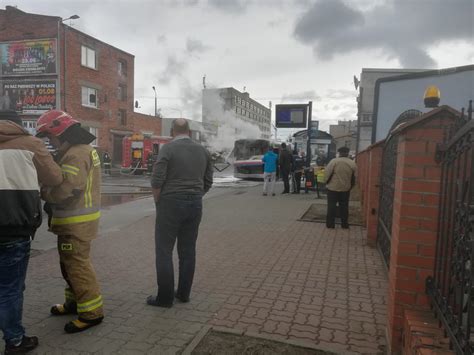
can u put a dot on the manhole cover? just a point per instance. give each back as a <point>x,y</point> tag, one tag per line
<point>317,213</point>
<point>218,342</point>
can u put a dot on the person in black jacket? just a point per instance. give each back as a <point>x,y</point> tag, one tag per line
<point>285,162</point>
<point>107,163</point>
<point>297,169</point>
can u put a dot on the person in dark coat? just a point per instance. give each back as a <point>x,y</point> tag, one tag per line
<point>297,171</point>
<point>285,162</point>
<point>107,163</point>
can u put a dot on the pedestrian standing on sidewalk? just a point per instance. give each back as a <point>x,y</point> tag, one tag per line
<point>340,178</point>
<point>285,162</point>
<point>297,169</point>
<point>269,171</point>
<point>75,208</point>
<point>181,177</point>
<point>25,163</point>
<point>107,163</point>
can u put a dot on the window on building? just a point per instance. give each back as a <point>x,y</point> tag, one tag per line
<point>88,58</point>
<point>122,117</point>
<point>95,132</point>
<point>122,92</point>
<point>122,67</point>
<point>367,117</point>
<point>89,97</point>
<point>236,109</point>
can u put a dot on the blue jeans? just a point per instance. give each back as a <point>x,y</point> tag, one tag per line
<point>177,218</point>
<point>14,259</point>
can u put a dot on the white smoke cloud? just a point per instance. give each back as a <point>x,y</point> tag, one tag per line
<point>229,126</point>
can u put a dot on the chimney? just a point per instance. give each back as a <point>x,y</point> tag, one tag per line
<point>11,9</point>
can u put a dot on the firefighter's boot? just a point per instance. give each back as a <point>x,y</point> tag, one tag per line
<point>64,309</point>
<point>80,324</point>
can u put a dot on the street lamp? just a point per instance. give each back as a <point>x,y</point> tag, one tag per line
<point>73,17</point>
<point>156,108</point>
<point>58,60</point>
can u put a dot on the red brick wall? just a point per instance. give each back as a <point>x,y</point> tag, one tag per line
<point>147,123</point>
<point>373,192</point>
<point>369,164</point>
<point>415,219</point>
<point>105,78</point>
<point>362,161</point>
<point>422,334</point>
<point>18,25</point>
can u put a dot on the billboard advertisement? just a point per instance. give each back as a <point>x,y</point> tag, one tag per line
<point>28,96</point>
<point>291,116</point>
<point>32,57</point>
<point>395,95</point>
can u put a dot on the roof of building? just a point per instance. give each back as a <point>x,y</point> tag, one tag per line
<point>392,70</point>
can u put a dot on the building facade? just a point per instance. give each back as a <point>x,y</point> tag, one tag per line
<point>46,64</point>
<point>223,104</point>
<point>365,101</point>
<point>345,135</point>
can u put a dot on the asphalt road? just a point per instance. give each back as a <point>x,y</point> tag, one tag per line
<point>126,201</point>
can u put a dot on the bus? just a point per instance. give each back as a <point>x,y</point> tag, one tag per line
<point>248,155</point>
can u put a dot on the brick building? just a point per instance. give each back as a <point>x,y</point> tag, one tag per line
<point>46,64</point>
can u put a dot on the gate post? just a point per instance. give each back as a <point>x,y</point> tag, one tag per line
<point>415,216</point>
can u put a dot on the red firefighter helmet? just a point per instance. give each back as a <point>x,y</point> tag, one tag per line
<point>54,123</point>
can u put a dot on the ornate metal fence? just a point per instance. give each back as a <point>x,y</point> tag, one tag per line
<point>451,288</point>
<point>387,191</point>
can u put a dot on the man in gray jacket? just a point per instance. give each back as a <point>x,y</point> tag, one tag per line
<point>181,176</point>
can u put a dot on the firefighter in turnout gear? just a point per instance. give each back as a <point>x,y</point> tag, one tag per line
<point>75,209</point>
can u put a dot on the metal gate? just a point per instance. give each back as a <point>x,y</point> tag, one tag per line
<point>387,192</point>
<point>451,288</point>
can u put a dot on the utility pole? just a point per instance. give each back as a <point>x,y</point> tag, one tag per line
<point>60,57</point>
<point>156,107</point>
<point>308,144</point>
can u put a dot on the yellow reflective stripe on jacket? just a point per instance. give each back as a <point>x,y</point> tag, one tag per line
<point>68,171</point>
<point>75,212</point>
<point>87,193</point>
<point>71,167</point>
<point>95,158</point>
<point>90,305</point>
<point>58,221</point>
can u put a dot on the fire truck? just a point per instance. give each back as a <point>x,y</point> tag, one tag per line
<point>139,152</point>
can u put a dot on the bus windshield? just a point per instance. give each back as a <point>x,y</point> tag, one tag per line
<point>244,149</point>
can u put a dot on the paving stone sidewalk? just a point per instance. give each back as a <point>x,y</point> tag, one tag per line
<point>258,270</point>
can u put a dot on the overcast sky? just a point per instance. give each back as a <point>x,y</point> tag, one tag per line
<point>284,51</point>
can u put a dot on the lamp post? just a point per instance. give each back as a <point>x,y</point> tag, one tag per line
<point>156,108</point>
<point>59,57</point>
